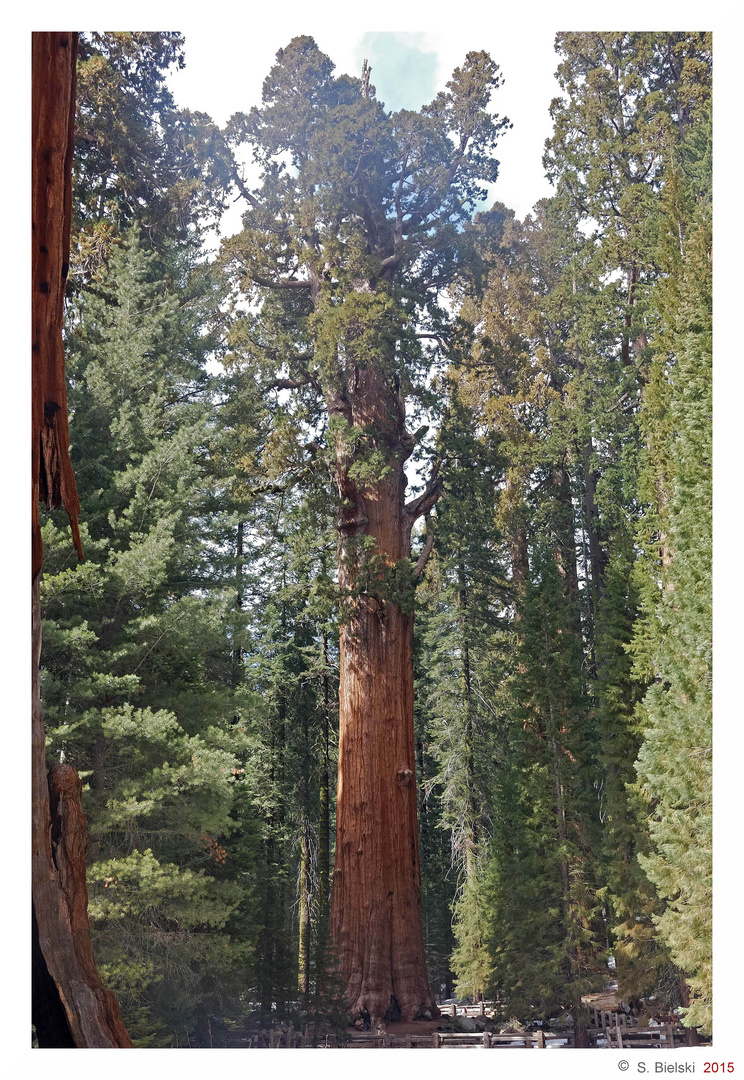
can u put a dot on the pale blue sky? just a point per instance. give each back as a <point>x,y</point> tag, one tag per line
<point>224,73</point>
<point>404,67</point>
<point>229,51</point>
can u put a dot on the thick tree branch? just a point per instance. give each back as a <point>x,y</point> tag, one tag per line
<point>423,557</point>
<point>267,284</point>
<point>435,337</point>
<point>240,185</point>
<point>428,498</point>
<point>306,378</point>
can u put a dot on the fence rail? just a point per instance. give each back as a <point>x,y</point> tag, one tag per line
<point>608,1030</point>
<point>439,1040</point>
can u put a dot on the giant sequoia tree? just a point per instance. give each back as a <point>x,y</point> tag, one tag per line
<point>347,245</point>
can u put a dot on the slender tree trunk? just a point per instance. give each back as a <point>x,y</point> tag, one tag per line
<point>303,957</point>
<point>631,276</point>
<point>517,534</point>
<point>237,651</point>
<point>470,839</point>
<point>376,913</point>
<point>691,1033</point>
<point>518,557</point>
<point>70,1007</point>
<point>565,551</point>
<point>581,1035</point>
<point>277,947</point>
<point>303,981</point>
<point>596,555</point>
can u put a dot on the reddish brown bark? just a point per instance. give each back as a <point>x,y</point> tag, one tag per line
<point>65,954</point>
<point>580,1035</point>
<point>517,536</point>
<point>597,558</point>
<point>71,1008</point>
<point>376,910</point>
<point>53,117</point>
<point>691,1037</point>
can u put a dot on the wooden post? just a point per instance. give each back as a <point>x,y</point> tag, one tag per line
<point>541,1040</point>
<point>619,1037</point>
<point>436,1041</point>
<point>483,1008</point>
<point>486,1041</point>
<point>453,1011</point>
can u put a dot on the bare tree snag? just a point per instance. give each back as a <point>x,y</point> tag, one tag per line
<point>70,1006</point>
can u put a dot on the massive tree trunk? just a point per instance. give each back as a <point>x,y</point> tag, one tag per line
<point>376,912</point>
<point>324,810</point>
<point>70,1007</point>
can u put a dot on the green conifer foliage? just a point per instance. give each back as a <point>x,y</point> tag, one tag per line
<point>138,159</point>
<point>462,603</point>
<point>643,966</point>
<point>562,650</point>
<point>545,929</point>
<point>674,762</point>
<point>136,661</point>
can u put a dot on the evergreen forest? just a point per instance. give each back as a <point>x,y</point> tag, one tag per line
<point>394,488</point>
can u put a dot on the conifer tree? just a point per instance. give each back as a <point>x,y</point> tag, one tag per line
<point>138,158</point>
<point>346,245</point>
<point>136,664</point>
<point>462,604</point>
<point>674,762</point>
<point>544,924</point>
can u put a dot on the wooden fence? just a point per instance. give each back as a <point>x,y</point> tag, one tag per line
<point>608,1030</point>
<point>442,1040</point>
<point>665,1037</point>
<point>602,1020</point>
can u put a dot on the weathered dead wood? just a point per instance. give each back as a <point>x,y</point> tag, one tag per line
<point>64,966</point>
<point>70,1006</point>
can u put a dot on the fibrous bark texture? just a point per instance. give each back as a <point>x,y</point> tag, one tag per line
<point>70,1006</point>
<point>376,911</point>
<point>53,116</point>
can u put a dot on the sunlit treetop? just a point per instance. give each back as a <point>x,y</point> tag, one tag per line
<point>351,193</point>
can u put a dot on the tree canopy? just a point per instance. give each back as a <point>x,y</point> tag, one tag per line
<point>398,490</point>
